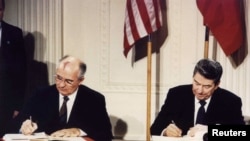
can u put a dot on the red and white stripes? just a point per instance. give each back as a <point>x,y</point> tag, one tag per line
<point>142,17</point>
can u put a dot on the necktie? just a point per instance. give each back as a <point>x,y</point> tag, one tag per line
<point>63,111</point>
<point>201,113</point>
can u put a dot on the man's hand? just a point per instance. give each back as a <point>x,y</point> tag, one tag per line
<point>28,127</point>
<point>172,131</point>
<point>70,132</point>
<point>197,130</point>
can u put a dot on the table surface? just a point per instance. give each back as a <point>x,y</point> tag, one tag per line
<point>88,139</point>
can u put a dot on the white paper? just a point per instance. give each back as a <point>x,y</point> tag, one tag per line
<point>10,137</point>
<point>198,137</point>
<point>38,137</point>
<point>66,138</point>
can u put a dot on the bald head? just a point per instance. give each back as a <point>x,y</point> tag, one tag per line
<point>69,74</point>
<point>72,64</point>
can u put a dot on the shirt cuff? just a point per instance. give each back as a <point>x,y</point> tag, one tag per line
<point>82,133</point>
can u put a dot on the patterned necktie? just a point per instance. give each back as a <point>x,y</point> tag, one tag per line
<point>201,113</point>
<point>63,111</point>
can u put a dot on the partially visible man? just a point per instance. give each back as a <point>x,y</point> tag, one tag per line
<point>12,70</point>
<point>86,113</point>
<point>179,114</point>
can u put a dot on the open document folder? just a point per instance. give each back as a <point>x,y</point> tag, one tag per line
<point>198,137</point>
<point>185,138</point>
<point>38,137</point>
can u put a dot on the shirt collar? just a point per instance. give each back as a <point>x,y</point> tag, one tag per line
<point>207,100</point>
<point>71,96</point>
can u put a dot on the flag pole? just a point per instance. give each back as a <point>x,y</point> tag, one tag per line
<point>149,62</point>
<point>206,45</point>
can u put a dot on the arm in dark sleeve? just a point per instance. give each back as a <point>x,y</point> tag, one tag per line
<point>164,117</point>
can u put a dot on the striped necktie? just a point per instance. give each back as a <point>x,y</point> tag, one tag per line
<point>63,111</point>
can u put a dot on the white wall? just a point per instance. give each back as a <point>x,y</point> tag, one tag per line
<point>93,31</point>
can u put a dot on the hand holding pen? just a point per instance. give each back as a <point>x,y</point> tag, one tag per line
<point>28,127</point>
<point>172,130</point>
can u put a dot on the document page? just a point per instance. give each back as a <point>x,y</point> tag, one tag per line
<point>66,138</point>
<point>197,137</point>
<point>16,137</point>
<point>184,138</point>
<point>38,137</point>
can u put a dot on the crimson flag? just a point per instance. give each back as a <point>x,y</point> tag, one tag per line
<point>224,19</point>
<point>142,17</point>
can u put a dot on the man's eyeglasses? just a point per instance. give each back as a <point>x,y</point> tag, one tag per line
<point>60,79</point>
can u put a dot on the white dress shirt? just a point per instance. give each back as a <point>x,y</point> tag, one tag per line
<point>197,105</point>
<point>70,103</point>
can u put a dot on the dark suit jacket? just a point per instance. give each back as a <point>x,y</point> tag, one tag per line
<point>12,72</point>
<point>88,112</point>
<point>224,108</point>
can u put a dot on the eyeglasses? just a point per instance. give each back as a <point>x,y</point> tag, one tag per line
<point>60,79</point>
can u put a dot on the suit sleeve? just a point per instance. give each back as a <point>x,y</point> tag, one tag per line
<point>165,115</point>
<point>102,132</point>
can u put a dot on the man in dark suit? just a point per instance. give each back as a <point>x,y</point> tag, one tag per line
<point>178,114</point>
<point>86,108</point>
<point>12,70</point>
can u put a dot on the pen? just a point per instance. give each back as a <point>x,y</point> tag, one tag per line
<point>178,131</point>
<point>31,121</point>
<point>173,121</point>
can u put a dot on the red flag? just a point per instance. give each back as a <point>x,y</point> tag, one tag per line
<point>142,17</point>
<point>224,19</point>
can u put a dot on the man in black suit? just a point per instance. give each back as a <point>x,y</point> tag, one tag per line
<point>178,114</point>
<point>86,108</point>
<point>12,70</point>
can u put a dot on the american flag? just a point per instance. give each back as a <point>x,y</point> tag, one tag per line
<point>142,17</point>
